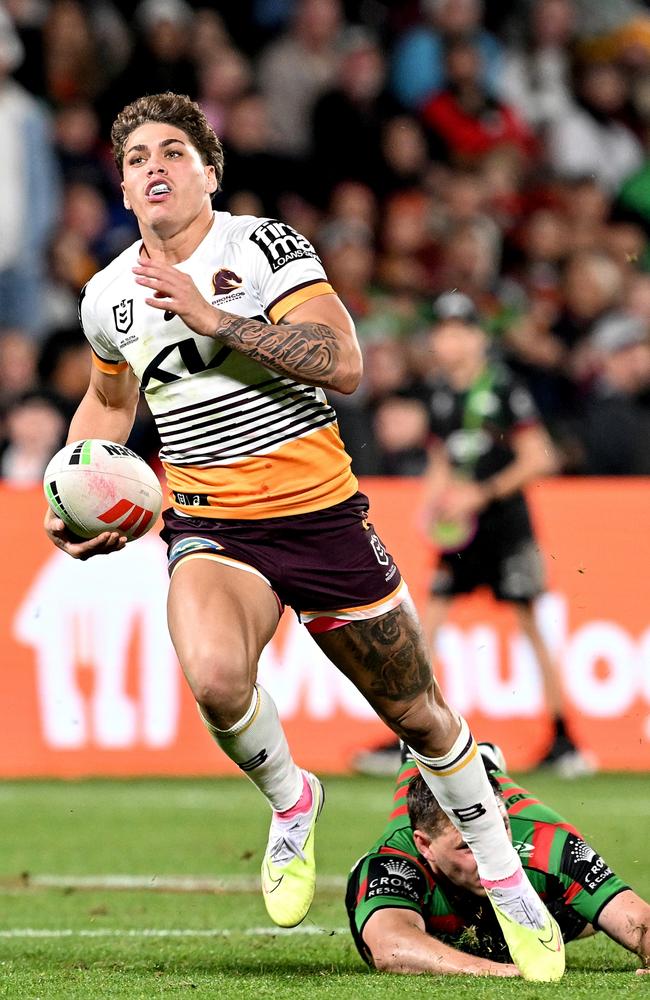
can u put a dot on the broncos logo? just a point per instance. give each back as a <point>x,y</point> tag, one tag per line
<point>224,281</point>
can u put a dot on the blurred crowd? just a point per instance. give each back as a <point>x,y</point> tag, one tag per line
<point>501,149</point>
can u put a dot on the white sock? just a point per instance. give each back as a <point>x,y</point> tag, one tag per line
<point>258,746</point>
<point>460,784</point>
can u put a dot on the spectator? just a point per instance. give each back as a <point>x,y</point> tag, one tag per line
<point>592,139</point>
<point>536,74</point>
<point>466,118</point>
<point>29,181</point>
<point>419,59</point>
<point>34,430</point>
<point>296,68</point>
<point>64,367</point>
<point>614,430</point>
<point>347,120</point>
<point>17,364</point>
<point>223,79</point>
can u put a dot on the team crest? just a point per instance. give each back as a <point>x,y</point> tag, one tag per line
<point>123,313</point>
<point>224,281</point>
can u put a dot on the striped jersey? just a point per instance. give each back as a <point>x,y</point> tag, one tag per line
<point>238,440</point>
<point>572,879</point>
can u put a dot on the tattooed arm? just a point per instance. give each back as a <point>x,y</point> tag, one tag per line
<point>315,343</point>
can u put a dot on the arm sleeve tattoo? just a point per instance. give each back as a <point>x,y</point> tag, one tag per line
<point>309,352</point>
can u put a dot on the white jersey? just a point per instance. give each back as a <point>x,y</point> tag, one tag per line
<point>238,440</point>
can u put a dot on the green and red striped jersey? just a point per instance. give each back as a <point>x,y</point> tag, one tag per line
<point>571,878</point>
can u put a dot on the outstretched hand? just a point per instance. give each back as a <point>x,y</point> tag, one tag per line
<point>174,291</point>
<point>81,548</point>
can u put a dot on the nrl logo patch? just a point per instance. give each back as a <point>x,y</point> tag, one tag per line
<point>123,314</point>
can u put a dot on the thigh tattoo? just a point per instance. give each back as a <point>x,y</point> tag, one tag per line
<point>385,657</point>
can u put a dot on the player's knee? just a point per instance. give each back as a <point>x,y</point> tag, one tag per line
<point>222,685</point>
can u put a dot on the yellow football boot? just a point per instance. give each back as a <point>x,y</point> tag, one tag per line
<point>537,951</point>
<point>289,866</point>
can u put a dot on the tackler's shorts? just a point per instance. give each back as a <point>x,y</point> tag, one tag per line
<point>330,565</point>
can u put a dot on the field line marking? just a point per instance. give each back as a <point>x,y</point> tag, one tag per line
<point>166,932</point>
<point>162,883</point>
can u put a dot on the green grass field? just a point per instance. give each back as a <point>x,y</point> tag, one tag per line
<point>160,936</point>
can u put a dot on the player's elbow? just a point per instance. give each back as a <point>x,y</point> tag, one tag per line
<point>390,957</point>
<point>348,375</point>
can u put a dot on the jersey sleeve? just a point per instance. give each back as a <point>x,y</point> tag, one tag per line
<point>106,355</point>
<point>286,268</point>
<point>589,883</point>
<point>520,407</point>
<point>387,880</point>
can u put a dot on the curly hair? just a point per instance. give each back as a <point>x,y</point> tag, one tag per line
<point>171,109</point>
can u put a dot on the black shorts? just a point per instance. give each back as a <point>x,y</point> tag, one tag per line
<point>330,565</point>
<point>511,568</point>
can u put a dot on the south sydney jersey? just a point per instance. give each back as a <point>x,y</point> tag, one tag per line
<point>238,439</point>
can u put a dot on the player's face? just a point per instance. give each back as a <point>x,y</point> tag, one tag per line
<point>448,855</point>
<point>452,858</point>
<point>165,180</point>
<point>456,343</point>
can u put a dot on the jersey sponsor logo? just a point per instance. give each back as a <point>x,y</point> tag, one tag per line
<point>224,281</point>
<point>188,354</point>
<point>581,863</point>
<point>123,315</point>
<point>394,877</point>
<point>281,244</point>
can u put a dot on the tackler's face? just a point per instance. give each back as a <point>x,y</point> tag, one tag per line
<point>165,180</point>
<point>447,854</point>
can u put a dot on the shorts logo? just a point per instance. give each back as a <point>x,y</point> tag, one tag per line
<point>381,555</point>
<point>184,546</point>
<point>224,281</point>
<point>123,315</point>
<point>581,863</point>
<point>281,244</point>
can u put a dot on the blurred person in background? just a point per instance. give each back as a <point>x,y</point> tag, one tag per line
<point>347,119</point>
<point>548,346</point>
<point>419,58</point>
<point>296,68</point>
<point>18,355</point>
<point>592,138</point>
<point>64,366</point>
<point>33,429</point>
<point>161,55</point>
<point>487,444</point>
<point>258,170</point>
<point>536,76</point>
<point>466,118</point>
<point>223,79</point>
<point>613,429</point>
<point>29,181</point>
<point>404,162</point>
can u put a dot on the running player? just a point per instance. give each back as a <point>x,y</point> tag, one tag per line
<point>416,903</point>
<point>230,327</point>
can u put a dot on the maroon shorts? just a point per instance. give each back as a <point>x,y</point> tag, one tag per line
<point>330,566</point>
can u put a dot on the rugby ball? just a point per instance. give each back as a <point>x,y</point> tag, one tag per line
<point>96,486</point>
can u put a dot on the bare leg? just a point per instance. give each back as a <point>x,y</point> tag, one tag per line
<point>550,678</point>
<point>433,617</point>
<point>220,619</point>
